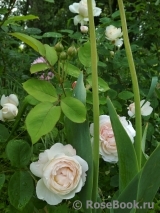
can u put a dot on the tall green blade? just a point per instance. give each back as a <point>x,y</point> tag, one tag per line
<point>128,166</point>
<point>78,135</point>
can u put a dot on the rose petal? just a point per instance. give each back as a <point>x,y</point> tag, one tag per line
<point>56,149</point>
<point>74,8</point>
<point>72,193</point>
<point>4,100</point>
<point>146,111</point>
<point>13,99</point>
<point>97,11</point>
<point>77,19</point>
<point>45,194</point>
<point>37,168</point>
<point>68,150</point>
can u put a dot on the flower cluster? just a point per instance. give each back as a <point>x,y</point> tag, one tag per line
<point>43,76</point>
<point>39,60</point>
<point>9,107</point>
<point>82,9</point>
<point>62,173</point>
<point>47,76</point>
<point>146,109</point>
<point>113,34</point>
<point>107,142</point>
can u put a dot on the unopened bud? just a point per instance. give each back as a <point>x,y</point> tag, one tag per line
<point>63,55</point>
<point>74,84</point>
<point>112,53</point>
<point>72,51</point>
<point>59,47</point>
<point>84,29</point>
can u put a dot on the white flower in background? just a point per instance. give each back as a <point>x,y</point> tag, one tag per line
<point>112,33</point>
<point>9,107</point>
<point>82,9</point>
<point>84,29</point>
<point>108,148</point>
<point>146,109</point>
<point>118,42</point>
<point>62,173</point>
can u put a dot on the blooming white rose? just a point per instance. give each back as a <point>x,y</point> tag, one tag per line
<point>146,109</point>
<point>108,148</point>
<point>84,29</point>
<point>82,9</point>
<point>8,112</point>
<point>62,173</point>
<point>9,107</point>
<point>112,33</point>
<point>12,99</point>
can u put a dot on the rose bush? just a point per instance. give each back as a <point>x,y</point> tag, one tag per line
<point>9,107</point>
<point>62,173</point>
<point>82,9</point>
<point>146,109</point>
<point>108,148</point>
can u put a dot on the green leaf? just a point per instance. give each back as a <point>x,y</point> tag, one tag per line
<point>42,119</point>
<point>149,181</point>
<point>51,54</point>
<point>41,90</point>
<point>128,166</point>
<point>58,209</point>
<point>2,180</point>
<point>126,196</point>
<point>31,100</point>
<point>13,19</point>
<point>84,54</point>
<point>82,143</point>
<point>4,134</point>
<point>32,42</point>
<point>38,67</point>
<point>80,90</point>
<point>20,189</point>
<point>72,70</point>
<point>125,95</point>
<point>52,34</point>
<point>18,152</point>
<point>102,85</point>
<point>73,109</point>
<point>152,88</point>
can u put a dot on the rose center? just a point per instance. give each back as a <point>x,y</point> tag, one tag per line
<point>64,176</point>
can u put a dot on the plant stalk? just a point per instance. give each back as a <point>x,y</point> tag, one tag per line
<point>95,101</point>
<point>138,120</point>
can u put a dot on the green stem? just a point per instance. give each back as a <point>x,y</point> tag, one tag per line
<point>95,101</point>
<point>138,138</point>
<point>18,118</point>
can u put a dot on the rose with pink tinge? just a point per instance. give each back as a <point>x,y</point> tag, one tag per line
<point>146,109</point>
<point>62,173</point>
<point>107,142</point>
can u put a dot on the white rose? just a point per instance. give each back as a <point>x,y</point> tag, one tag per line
<point>84,29</point>
<point>8,112</point>
<point>12,99</point>
<point>82,9</point>
<point>118,42</point>
<point>112,33</point>
<point>108,148</point>
<point>146,109</point>
<point>62,173</point>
